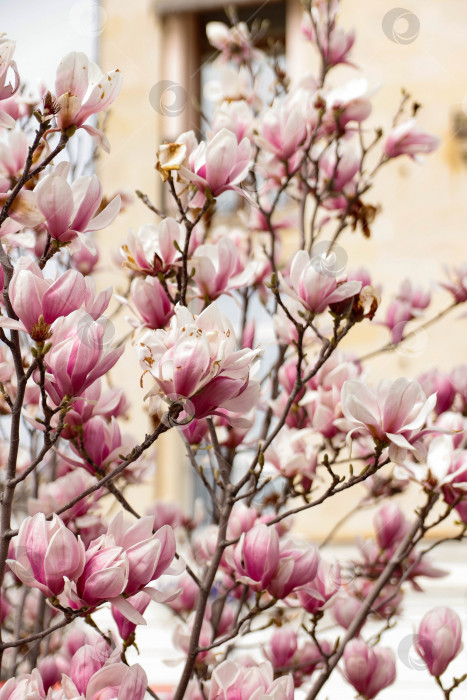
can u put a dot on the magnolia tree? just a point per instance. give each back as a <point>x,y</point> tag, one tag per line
<point>270,428</point>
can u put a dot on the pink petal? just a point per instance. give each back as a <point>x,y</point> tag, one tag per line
<point>221,155</point>
<point>6,121</point>
<point>87,195</point>
<point>128,610</point>
<point>100,139</point>
<point>63,296</point>
<point>54,198</point>
<point>107,215</point>
<point>102,95</point>
<point>191,360</point>
<point>72,75</point>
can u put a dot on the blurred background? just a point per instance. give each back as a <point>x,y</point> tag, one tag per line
<point>161,48</point>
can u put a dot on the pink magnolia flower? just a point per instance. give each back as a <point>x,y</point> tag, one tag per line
<point>114,681</point>
<point>416,296</point>
<point>83,90</point>
<point>338,166</point>
<point>242,520</point>
<point>7,88</point>
<point>154,249</point>
<point>369,669</point>
<point>294,453</point>
<point>204,543</point>
<point>100,444</point>
<point>86,661</point>
<point>50,672</point>
<point>217,166</point>
<point>256,556</point>
<point>327,581</point>
<point>455,424</point>
<point>305,94</point>
<point>440,468</point>
<point>74,640</point>
<point>437,381</point>
<point>186,601</point>
<point>345,608</point>
<point>232,679</point>
<point>28,685</point>
<point>23,212</point>
<point>281,647</point>
<point>323,407</point>
<point>236,117</point>
<point>140,602</point>
<point>104,576</point>
<point>196,359</point>
<point>282,130</point>
<point>151,302</point>
<point>346,103</point>
<point>425,567</point>
<point>216,269</point>
<point>78,356</point>
<point>52,496</point>
<point>309,656</point>
<point>45,553</point>
<point>94,401</point>
<point>38,302</point>
<point>408,139</point>
<point>235,43</point>
<point>16,106</point>
<point>439,639</point>
<point>70,210</point>
<point>167,513</point>
<point>408,304</point>
<point>398,315</point>
<point>312,287</point>
<point>457,283</point>
<point>83,259</point>
<point>298,566</point>
<point>394,413</point>
<point>149,555</point>
<point>339,368</point>
<point>334,43</point>
<point>390,525</point>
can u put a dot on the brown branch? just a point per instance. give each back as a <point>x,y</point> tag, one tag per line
<point>205,588</point>
<point>400,554</point>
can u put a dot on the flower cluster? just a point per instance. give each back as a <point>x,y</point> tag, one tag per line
<point>241,325</point>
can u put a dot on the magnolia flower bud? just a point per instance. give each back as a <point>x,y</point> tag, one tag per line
<point>368,669</point>
<point>439,639</point>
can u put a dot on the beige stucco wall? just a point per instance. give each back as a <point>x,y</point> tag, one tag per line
<point>424,207</point>
<point>131,41</point>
